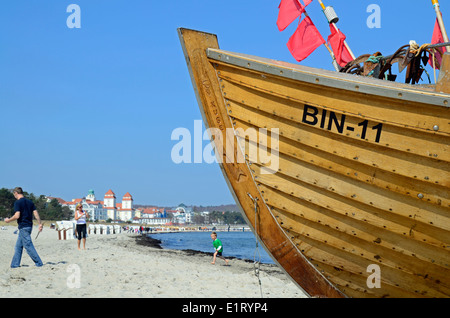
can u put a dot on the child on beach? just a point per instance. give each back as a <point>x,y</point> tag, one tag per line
<point>218,248</point>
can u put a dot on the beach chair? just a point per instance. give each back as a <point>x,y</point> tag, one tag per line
<point>59,229</point>
<point>72,230</point>
<point>65,230</point>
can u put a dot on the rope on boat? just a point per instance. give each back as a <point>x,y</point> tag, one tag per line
<point>414,48</point>
<point>409,56</point>
<point>256,264</point>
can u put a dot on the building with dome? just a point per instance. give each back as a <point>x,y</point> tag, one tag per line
<point>92,206</point>
<point>182,214</point>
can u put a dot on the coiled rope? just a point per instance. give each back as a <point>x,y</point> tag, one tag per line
<point>415,49</point>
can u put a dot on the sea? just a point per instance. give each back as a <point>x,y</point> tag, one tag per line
<point>237,244</point>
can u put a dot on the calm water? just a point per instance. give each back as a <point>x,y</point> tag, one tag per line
<point>238,244</point>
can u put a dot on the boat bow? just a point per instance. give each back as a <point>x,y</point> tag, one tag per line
<point>361,174</point>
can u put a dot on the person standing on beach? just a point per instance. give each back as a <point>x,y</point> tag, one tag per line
<point>24,211</point>
<point>218,248</point>
<point>80,217</point>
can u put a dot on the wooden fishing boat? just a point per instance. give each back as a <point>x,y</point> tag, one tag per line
<point>360,191</point>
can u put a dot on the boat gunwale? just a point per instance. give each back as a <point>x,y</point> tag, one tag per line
<point>354,83</point>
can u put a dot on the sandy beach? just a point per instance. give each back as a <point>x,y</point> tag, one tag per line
<point>123,265</point>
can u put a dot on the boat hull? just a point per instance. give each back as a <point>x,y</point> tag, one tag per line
<point>343,179</point>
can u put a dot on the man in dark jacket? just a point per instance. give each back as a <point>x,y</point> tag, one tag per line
<point>24,210</point>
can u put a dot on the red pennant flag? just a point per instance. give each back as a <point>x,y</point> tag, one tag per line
<point>336,40</point>
<point>305,40</point>
<point>437,34</point>
<point>289,10</point>
<point>307,2</point>
<point>437,38</point>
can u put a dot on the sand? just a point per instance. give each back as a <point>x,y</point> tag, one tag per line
<point>119,265</point>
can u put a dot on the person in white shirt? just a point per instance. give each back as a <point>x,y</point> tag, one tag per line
<point>80,217</point>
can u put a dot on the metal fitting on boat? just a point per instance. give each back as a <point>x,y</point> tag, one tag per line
<point>435,127</point>
<point>331,14</point>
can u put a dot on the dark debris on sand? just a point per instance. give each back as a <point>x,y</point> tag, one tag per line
<point>148,241</point>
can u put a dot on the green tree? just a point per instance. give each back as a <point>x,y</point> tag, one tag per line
<point>198,219</point>
<point>233,218</point>
<point>51,210</point>
<point>6,203</point>
<point>47,210</point>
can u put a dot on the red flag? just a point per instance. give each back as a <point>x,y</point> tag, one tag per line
<point>437,38</point>
<point>437,34</point>
<point>289,11</point>
<point>307,2</point>
<point>336,40</point>
<point>305,40</point>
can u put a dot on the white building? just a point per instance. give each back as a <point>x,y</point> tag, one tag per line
<point>109,203</point>
<point>119,211</point>
<point>182,214</point>
<point>92,206</point>
<point>155,221</point>
<point>106,209</point>
<point>125,211</point>
<point>154,216</point>
<point>95,210</point>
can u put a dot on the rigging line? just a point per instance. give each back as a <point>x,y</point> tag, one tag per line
<point>256,264</point>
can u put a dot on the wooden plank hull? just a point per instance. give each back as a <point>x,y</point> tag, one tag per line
<point>350,175</point>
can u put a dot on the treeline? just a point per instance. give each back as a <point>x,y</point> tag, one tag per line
<point>47,210</point>
<point>225,218</point>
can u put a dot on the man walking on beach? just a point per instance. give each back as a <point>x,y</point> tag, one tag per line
<point>24,210</point>
<point>218,248</point>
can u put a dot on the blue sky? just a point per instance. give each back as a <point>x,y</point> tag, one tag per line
<point>94,107</point>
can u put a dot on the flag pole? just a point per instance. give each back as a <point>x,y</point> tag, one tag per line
<point>335,64</point>
<point>337,30</point>
<point>333,57</point>
<point>441,22</point>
